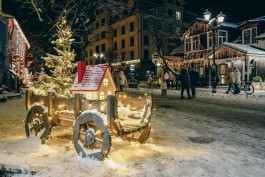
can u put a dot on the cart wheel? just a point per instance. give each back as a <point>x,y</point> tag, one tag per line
<point>140,135</point>
<point>37,123</point>
<point>91,137</point>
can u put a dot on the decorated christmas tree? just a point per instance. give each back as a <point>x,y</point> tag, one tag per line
<point>61,66</point>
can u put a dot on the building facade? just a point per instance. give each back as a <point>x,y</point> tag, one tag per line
<point>238,45</point>
<point>122,41</point>
<point>13,48</point>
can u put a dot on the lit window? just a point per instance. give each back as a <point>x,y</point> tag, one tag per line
<point>195,43</point>
<point>105,82</point>
<point>222,37</point>
<point>101,96</point>
<point>178,15</point>
<point>188,44</point>
<point>249,35</point>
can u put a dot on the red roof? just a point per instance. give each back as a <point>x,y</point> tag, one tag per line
<point>91,79</point>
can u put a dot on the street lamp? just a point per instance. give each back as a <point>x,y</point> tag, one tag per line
<point>214,24</point>
<point>99,58</point>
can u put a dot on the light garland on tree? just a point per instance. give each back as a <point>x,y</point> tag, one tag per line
<point>61,66</point>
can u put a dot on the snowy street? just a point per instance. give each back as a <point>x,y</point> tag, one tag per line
<point>211,135</point>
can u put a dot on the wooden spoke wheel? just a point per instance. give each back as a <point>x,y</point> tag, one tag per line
<point>37,123</point>
<point>91,137</point>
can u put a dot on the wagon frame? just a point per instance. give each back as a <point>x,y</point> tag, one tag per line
<point>93,121</point>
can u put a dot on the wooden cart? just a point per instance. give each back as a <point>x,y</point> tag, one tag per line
<point>93,121</point>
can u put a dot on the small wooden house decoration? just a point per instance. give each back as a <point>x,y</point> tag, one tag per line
<point>94,81</point>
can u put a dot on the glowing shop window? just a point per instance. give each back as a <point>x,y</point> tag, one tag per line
<point>105,82</point>
<point>101,96</point>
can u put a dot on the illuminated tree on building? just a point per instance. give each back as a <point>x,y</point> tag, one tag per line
<point>60,66</point>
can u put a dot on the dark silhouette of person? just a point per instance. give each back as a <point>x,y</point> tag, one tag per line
<point>185,82</point>
<point>194,79</point>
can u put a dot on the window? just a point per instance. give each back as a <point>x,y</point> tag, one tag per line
<point>249,35</point>
<point>222,37</point>
<point>103,35</point>
<point>97,25</point>
<point>123,57</point>
<point>103,21</point>
<point>210,42</point>
<point>123,29</point>
<point>146,54</point>
<point>195,43</point>
<point>105,82</point>
<point>131,26</point>
<point>101,95</point>
<point>178,15</point>
<point>115,33</point>
<point>97,49</point>
<point>146,40</point>
<point>170,12</point>
<point>115,46</point>
<point>131,41</point>
<point>86,54</point>
<point>91,52</point>
<point>103,47</point>
<point>131,55</point>
<point>188,44</point>
<point>123,43</point>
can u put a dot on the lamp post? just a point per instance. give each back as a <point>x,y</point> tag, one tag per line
<point>214,24</point>
<point>99,58</point>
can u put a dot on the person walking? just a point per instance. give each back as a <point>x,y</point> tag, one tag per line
<point>185,82</point>
<point>163,87</point>
<point>116,79</point>
<point>171,79</point>
<point>238,80</point>
<point>178,83</point>
<point>194,79</point>
<point>166,77</point>
<point>150,79</point>
<point>123,80</point>
<point>231,78</point>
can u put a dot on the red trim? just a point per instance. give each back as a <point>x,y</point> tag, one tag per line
<point>81,69</point>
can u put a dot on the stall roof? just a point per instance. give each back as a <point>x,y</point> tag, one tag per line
<point>248,50</point>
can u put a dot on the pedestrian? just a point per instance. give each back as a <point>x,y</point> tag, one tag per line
<point>116,79</point>
<point>123,80</point>
<point>231,78</point>
<point>166,77</point>
<point>194,79</point>
<point>163,87</point>
<point>185,82</point>
<point>171,78</point>
<point>150,79</point>
<point>238,80</point>
<point>178,83</point>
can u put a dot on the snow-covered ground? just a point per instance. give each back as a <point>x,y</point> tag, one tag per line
<point>170,152</point>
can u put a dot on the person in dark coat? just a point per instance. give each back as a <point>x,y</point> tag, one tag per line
<point>194,79</point>
<point>116,79</point>
<point>185,82</point>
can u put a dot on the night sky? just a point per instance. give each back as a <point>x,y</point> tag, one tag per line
<point>235,10</point>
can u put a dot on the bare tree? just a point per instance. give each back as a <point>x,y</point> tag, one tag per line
<point>164,30</point>
<point>40,17</point>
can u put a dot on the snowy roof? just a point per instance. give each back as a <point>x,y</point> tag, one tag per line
<point>92,78</point>
<point>244,48</point>
<point>262,35</point>
<point>262,18</point>
<point>230,25</point>
<point>248,50</point>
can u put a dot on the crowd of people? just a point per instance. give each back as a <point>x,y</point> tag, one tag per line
<point>187,79</point>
